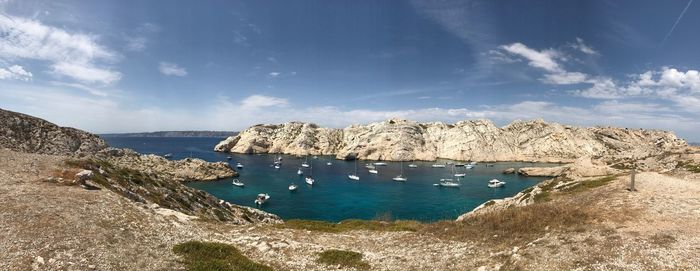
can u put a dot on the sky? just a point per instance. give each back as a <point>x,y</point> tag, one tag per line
<point>133,66</point>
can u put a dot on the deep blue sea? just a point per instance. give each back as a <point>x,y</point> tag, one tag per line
<point>334,197</point>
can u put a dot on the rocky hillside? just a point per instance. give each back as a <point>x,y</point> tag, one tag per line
<point>23,133</point>
<point>478,140</point>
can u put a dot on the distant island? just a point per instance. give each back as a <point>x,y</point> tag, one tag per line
<point>175,134</point>
<point>694,143</point>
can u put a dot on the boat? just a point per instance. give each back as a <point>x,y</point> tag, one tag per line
<point>354,176</point>
<point>239,165</point>
<point>472,163</point>
<point>468,166</point>
<point>329,163</point>
<point>315,157</point>
<point>310,179</point>
<point>306,162</point>
<point>238,183</point>
<point>438,165</point>
<point>292,187</point>
<point>412,165</point>
<point>380,164</point>
<point>168,155</point>
<point>449,183</point>
<point>229,158</point>
<point>277,166</point>
<point>262,198</point>
<point>400,178</point>
<point>299,172</point>
<point>370,166</point>
<point>373,171</point>
<point>457,174</point>
<point>496,183</point>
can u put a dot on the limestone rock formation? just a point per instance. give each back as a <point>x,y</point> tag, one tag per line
<point>23,133</point>
<point>477,140</point>
<point>189,169</point>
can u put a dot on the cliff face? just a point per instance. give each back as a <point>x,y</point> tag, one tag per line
<point>23,133</point>
<point>478,140</point>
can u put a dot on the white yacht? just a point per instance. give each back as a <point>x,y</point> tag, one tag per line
<point>373,171</point>
<point>299,172</point>
<point>262,198</point>
<point>238,183</point>
<point>438,165</point>
<point>412,165</point>
<point>310,179</point>
<point>292,187</point>
<point>380,164</point>
<point>306,162</point>
<point>239,165</point>
<point>449,183</point>
<point>496,183</point>
<point>400,178</point>
<point>354,175</point>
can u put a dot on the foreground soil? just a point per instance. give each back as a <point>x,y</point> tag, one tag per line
<point>45,226</point>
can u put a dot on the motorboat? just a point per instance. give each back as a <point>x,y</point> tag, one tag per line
<point>239,165</point>
<point>299,172</point>
<point>438,165</point>
<point>380,164</point>
<point>496,183</point>
<point>460,174</point>
<point>261,199</point>
<point>373,171</point>
<point>277,166</point>
<point>238,183</point>
<point>168,155</point>
<point>412,165</point>
<point>292,187</point>
<point>370,166</point>
<point>329,163</point>
<point>304,164</point>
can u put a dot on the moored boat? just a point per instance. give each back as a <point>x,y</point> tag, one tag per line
<point>262,198</point>
<point>292,187</point>
<point>238,183</point>
<point>373,171</point>
<point>496,183</point>
<point>239,165</point>
<point>449,183</point>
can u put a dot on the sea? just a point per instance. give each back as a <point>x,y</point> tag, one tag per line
<point>334,197</point>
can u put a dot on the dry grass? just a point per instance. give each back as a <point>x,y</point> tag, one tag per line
<point>215,256</point>
<point>513,223</point>
<point>352,224</point>
<point>585,185</point>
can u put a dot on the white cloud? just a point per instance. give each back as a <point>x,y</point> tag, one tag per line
<point>86,73</point>
<point>274,74</point>
<point>172,69</point>
<point>545,59</point>
<point>136,44</point>
<point>68,52</point>
<point>255,102</point>
<point>139,40</point>
<point>15,72</point>
<point>565,78</point>
<point>581,46</point>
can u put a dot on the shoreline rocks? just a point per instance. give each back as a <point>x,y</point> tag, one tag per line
<point>472,140</point>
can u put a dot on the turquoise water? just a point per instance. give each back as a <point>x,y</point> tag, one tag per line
<point>334,197</point>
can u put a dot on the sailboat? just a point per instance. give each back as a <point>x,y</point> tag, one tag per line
<point>412,165</point>
<point>309,179</point>
<point>449,183</point>
<point>374,171</point>
<point>354,176</point>
<point>306,162</point>
<point>457,174</point>
<point>400,178</point>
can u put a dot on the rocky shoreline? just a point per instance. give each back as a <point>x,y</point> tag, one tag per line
<point>474,140</point>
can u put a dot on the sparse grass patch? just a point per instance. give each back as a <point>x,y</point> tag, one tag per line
<point>585,185</point>
<point>543,196</point>
<point>694,168</point>
<point>352,224</point>
<point>215,256</point>
<point>512,223</point>
<point>343,258</point>
<point>662,239</point>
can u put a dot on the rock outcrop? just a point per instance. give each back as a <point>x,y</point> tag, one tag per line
<point>189,169</point>
<point>23,133</point>
<point>478,140</point>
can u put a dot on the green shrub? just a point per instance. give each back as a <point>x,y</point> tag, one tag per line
<point>215,256</point>
<point>343,258</point>
<point>352,224</point>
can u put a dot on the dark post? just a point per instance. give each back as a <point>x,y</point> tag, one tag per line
<point>632,173</point>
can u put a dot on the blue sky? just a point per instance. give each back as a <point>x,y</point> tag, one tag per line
<point>124,66</point>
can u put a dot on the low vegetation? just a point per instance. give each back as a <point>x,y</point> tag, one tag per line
<point>203,256</point>
<point>513,223</point>
<point>343,258</point>
<point>689,166</point>
<point>585,185</point>
<point>351,225</point>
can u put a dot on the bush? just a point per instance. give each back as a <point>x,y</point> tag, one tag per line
<point>343,258</point>
<point>215,256</point>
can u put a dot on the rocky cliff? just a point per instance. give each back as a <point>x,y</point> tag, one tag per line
<point>478,140</point>
<point>23,133</point>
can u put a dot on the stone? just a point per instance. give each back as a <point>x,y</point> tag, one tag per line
<point>509,171</point>
<point>475,140</point>
<point>83,176</point>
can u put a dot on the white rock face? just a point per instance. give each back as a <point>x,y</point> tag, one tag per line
<point>477,140</point>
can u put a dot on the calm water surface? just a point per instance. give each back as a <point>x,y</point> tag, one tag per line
<point>334,197</point>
